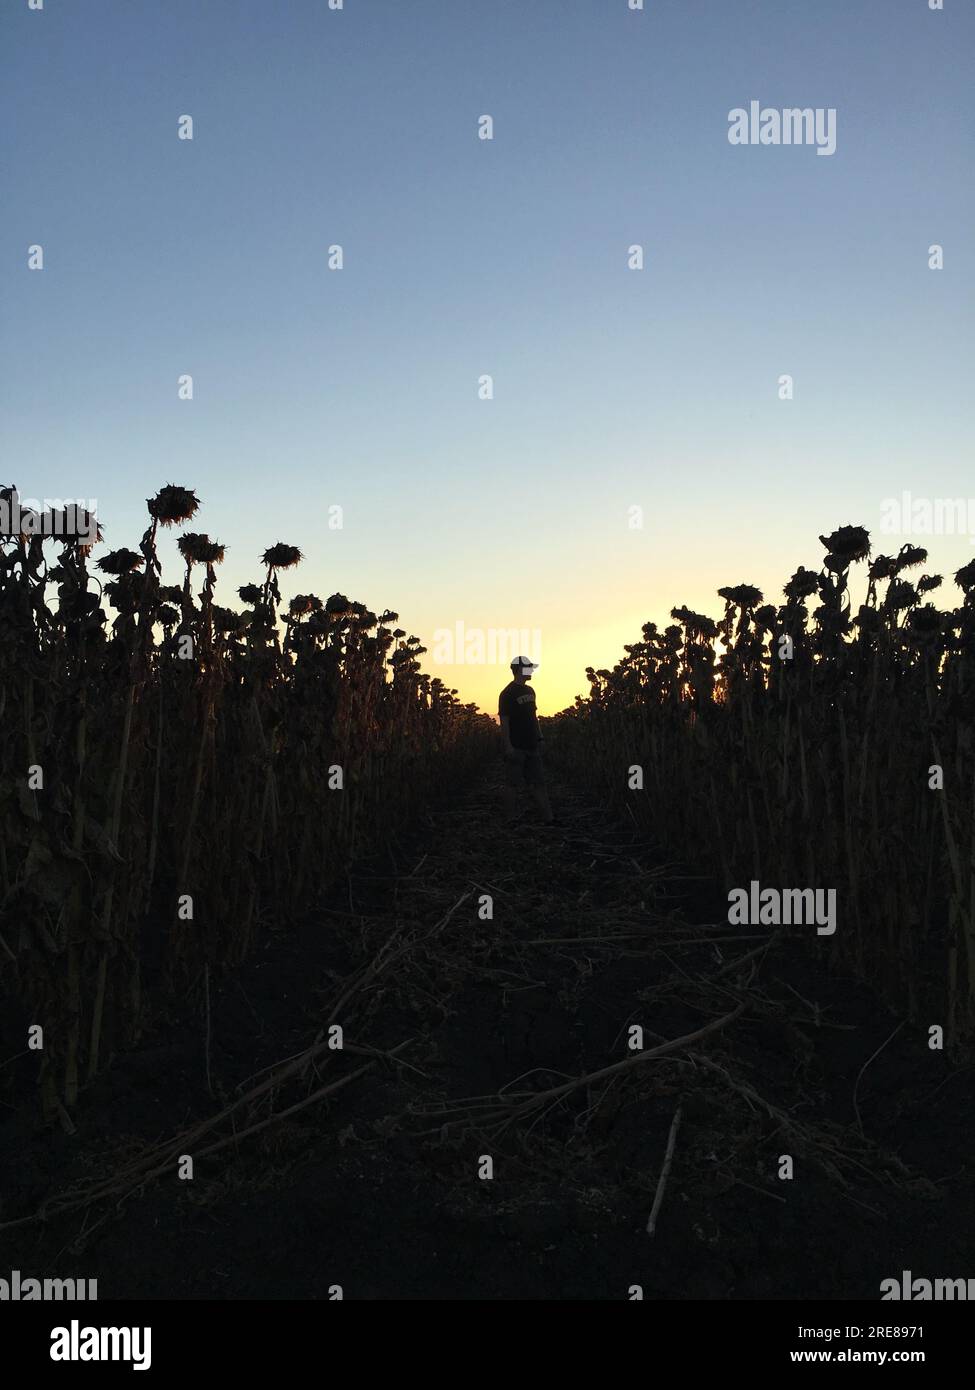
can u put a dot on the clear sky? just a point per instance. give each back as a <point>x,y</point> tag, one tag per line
<point>613,388</point>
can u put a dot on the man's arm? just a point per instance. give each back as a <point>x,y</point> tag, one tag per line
<point>506,734</point>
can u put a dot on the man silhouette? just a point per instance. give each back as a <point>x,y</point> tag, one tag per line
<point>521,741</point>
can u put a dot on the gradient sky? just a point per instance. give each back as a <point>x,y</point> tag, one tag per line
<point>613,387</point>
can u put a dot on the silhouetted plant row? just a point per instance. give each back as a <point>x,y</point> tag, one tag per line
<point>178,776</point>
<point>802,750</point>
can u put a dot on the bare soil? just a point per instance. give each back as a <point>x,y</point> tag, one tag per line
<point>376,1185</point>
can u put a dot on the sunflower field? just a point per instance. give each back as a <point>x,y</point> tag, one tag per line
<point>816,743</point>
<point>177,776</point>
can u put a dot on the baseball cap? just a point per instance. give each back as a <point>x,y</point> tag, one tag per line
<point>523,663</point>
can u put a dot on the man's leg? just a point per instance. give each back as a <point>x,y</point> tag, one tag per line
<point>514,783</point>
<point>535,775</point>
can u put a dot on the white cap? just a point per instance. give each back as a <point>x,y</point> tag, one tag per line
<point>525,663</point>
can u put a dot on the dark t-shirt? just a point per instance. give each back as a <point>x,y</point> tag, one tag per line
<point>517,702</point>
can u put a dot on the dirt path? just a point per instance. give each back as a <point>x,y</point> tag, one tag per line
<point>377,1185</point>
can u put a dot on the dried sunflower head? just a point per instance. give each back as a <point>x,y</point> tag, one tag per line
<point>73,527</point>
<point>119,561</point>
<point>250,593</point>
<point>31,523</point>
<point>173,505</point>
<point>965,577</point>
<point>302,604</point>
<point>900,595</point>
<point>849,543</point>
<point>803,584</point>
<point>695,624</point>
<point>743,595</point>
<point>226,620</point>
<point>12,515</point>
<point>124,593</point>
<point>168,615</point>
<point>927,582</point>
<point>925,623</point>
<point>281,557</point>
<point>197,548</point>
<point>909,557</point>
<point>868,619</point>
<point>830,619</point>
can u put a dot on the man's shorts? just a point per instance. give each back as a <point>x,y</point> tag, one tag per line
<point>523,768</point>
